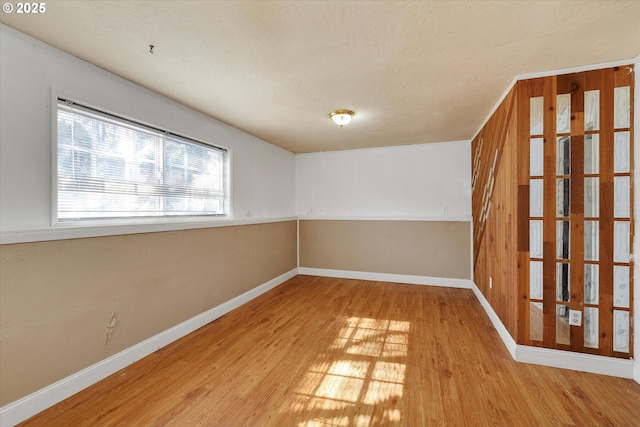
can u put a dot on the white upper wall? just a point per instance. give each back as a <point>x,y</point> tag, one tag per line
<point>30,71</point>
<point>426,181</point>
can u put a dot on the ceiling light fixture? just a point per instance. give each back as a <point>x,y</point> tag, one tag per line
<point>341,117</point>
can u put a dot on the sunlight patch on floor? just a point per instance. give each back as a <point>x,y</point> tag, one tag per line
<point>363,374</point>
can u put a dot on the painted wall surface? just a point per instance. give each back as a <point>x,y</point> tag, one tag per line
<point>387,210</point>
<point>416,248</point>
<point>395,182</point>
<point>58,298</point>
<point>262,174</point>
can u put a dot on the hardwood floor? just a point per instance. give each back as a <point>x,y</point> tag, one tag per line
<point>333,352</point>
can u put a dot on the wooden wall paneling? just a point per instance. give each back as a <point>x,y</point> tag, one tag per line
<point>537,86</point>
<point>494,206</point>
<point>515,134</point>
<point>522,120</point>
<point>577,238</point>
<point>483,151</point>
<point>508,130</point>
<point>606,212</point>
<point>527,89</point>
<point>624,76</point>
<point>576,272</point>
<point>487,148</point>
<point>592,82</point>
<point>627,76</point>
<point>493,235</point>
<point>511,224</point>
<point>549,214</point>
<point>476,153</point>
<point>501,232</point>
<point>563,87</point>
<point>577,87</point>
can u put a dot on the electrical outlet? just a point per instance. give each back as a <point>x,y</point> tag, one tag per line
<point>575,317</point>
<point>445,209</point>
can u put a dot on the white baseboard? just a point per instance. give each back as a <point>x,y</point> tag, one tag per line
<point>506,337</point>
<point>612,366</point>
<point>636,370</point>
<point>30,405</point>
<point>385,277</point>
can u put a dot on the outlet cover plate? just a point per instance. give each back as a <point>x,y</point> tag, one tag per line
<point>575,317</point>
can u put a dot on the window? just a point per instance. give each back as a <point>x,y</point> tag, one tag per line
<point>109,167</point>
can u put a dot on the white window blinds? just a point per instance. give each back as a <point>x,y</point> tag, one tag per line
<point>110,167</point>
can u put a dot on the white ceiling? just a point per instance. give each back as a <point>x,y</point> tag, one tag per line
<point>413,71</point>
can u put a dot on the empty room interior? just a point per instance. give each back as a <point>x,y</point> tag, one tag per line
<point>319,213</point>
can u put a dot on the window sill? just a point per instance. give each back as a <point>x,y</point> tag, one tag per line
<point>61,232</point>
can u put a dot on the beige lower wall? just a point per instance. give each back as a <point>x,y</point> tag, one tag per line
<point>57,297</point>
<point>422,248</point>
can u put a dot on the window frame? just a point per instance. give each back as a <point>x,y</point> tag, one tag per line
<point>129,121</point>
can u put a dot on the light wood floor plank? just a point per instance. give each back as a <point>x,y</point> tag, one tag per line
<point>334,352</point>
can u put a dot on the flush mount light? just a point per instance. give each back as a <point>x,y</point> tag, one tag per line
<point>341,117</point>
